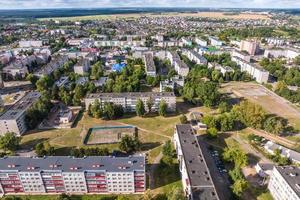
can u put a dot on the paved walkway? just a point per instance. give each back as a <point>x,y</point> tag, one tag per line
<point>275,138</point>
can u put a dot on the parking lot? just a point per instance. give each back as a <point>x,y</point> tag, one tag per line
<point>217,170</point>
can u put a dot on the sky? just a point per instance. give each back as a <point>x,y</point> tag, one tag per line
<point>32,4</point>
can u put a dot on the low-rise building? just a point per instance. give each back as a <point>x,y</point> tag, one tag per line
<point>284,183</point>
<point>128,100</point>
<point>173,83</point>
<point>62,82</point>
<point>100,82</point>
<point>13,120</point>
<point>258,73</point>
<point>65,116</point>
<point>291,154</point>
<point>82,66</point>
<point>64,174</point>
<point>149,64</point>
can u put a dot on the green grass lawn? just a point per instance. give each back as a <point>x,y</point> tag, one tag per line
<point>157,129</point>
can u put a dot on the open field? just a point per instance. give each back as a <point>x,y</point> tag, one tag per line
<point>217,15</point>
<point>270,101</point>
<point>152,133</point>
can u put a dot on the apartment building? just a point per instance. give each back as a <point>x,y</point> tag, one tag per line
<point>222,69</point>
<point>82,66</point>
<point>240,54</point>
<point>258,73</point>
<point>186,42</point>
<point>249,46</point>
<point>180,67</point>
<point>289,53</point>
<point>55,63</point>
<point>149,64</point>
<point>284,183</point>
<point>196,179</point>
<point>65,174</point>
<point>30,43</point>
<point>119,43</point>
<point>215,42</point>
<point>13,120</point>
<point>195,57</point>
<point>128,100</point>
<point>201,42</point>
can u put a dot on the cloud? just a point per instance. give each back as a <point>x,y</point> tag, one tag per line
<point>17,4</point>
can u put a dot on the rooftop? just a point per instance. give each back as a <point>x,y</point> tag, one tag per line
<point>292,176</point>
<point>21,106</point>
<point>198,172</point>
<point>149,63</point>
<point>71,164</point>
<point>130,94</point>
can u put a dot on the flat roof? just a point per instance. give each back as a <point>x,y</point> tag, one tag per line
<point>149,63</point>
<point>198,172</point>
<point>130,94</point>
<point>292,176</point>
<point>20,106</point>
<point>71,164</point>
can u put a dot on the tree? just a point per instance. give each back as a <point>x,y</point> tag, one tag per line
<point>147,195</point>
<point>176,194</point>
<point>112,111</point>
<point>297,60</point>
<point>250,114</point>
<point>33,79</point>
<point>78,95</point>
<point>95,109</point>
<point>224,107</point>
<point>236,155</point>
<point>210,121</point>
<point>183,119</point>
<point>140,108</point>
<point>167,149</point>
<point>9,142</point>
<point>162,110</point>
<point>44,149</point>
<point>129,144</point>
<point>274,125</point>
<point>212,132</point>
<point>226,122</point>
<point>149,104</point>
<point>239,186</point>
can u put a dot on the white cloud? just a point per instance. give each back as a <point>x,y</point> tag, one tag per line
<point>11,4</point>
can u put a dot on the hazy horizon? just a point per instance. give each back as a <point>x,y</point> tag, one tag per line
<point>97,4</point>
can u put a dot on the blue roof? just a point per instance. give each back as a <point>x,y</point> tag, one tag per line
<point>118,67</point>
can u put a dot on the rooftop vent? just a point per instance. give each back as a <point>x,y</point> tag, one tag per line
<point>30,168</point>
<point>73,168</point>
<point>293,174</point>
